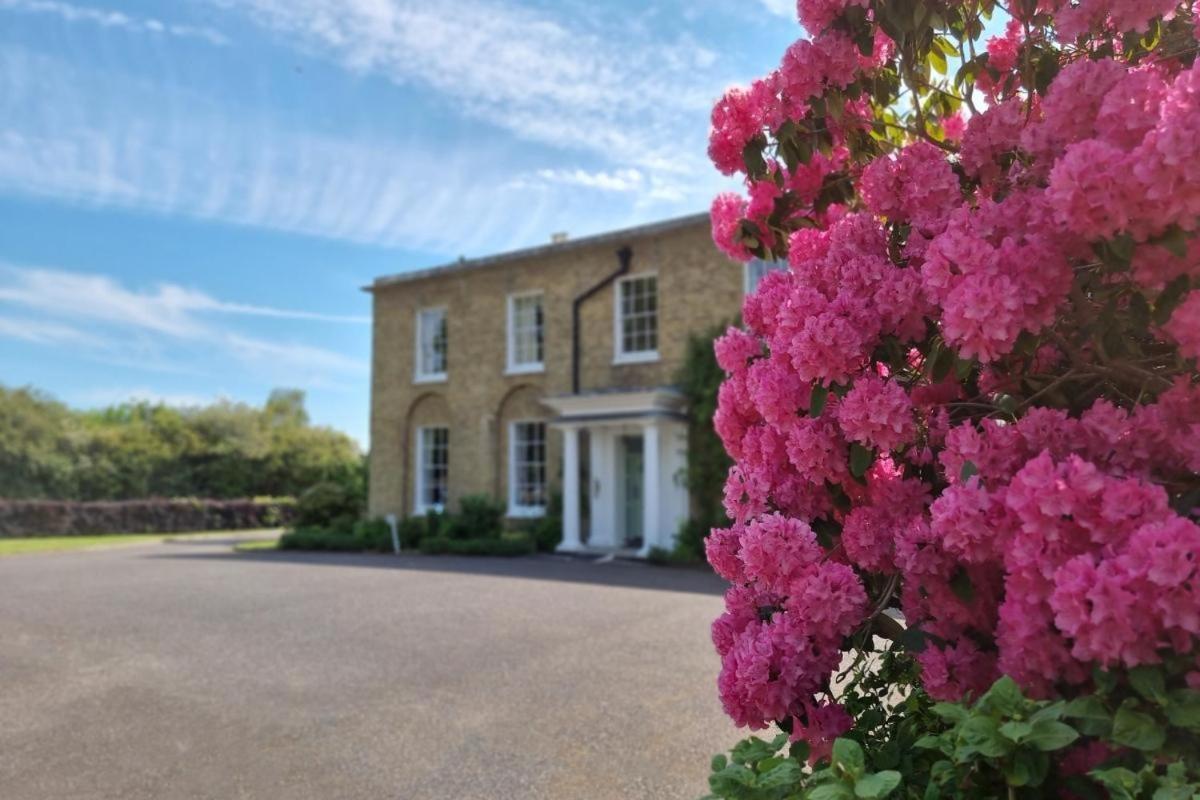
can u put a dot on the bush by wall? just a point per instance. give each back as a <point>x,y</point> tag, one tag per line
<point>508,544</point>
<point>62,518</point>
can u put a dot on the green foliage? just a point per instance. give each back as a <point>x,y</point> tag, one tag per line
<point>509,544</point>
<point>328,505</point>
<point>138,450</point>
<point>319,539</point>
<point>1145,737</point>
<point>547,529</point>
<point>699,377</point>
<point>479,517</point>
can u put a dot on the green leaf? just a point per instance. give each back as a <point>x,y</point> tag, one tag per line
<point>1015,730</point>
<point>1003,698</point>
<point>983,734</point>
<point>787,773</point>
<point>1183,710</point>
<point>1122,784</point>
<point>719,762</point>
<point>1148,681</point>
<point>861,459</point>
<point>831,791</point>
<point>928,742</point>
<point>1027,768</point>
<point>951,712</point>
<point>816,400</point>
<point>1174,240</point>
<point>1094,717</point>
<point>960,584</point>
<point>1050,734</point>
<point>1137,730</point>
<point>968,469</point>
<point>799,751</point>
<point>1169,298</point>
<point>849,756</point>
<point>880,784</point>
<point>751,750</point>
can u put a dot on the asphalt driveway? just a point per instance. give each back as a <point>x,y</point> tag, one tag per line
<point>181,670</point>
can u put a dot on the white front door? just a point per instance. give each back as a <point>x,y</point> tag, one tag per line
<point>631,493</point>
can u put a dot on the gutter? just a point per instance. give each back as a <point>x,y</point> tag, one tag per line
<point>625,257</point>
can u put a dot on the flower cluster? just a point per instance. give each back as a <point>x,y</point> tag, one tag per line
<point>971,401</point>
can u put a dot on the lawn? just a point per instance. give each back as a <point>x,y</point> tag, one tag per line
<point>49,544</point>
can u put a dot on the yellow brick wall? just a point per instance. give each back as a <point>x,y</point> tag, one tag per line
<point>697,287</point>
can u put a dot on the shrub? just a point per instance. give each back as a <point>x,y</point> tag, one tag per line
<point>479,517</point>
<point>328,504</point>
<point>320,539</point>
<point>374,534</point>
<point>61,518</point>
<point>547,530</point>
<point>964,420</point>
<point>509,544</point>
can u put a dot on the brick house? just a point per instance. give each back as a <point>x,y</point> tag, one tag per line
<point>548,369</point>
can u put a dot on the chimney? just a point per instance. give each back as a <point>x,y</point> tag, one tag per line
<point>558,238</point>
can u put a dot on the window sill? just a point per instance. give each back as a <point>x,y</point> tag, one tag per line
<point>525,369</point>
<point>420,509</point>
<point>526,512</point>
<point>439,378</point>
<point>635,358</point>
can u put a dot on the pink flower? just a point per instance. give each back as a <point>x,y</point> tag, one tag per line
<point>877,413</point>
<point>1184,326</point>
<point>728,210</point>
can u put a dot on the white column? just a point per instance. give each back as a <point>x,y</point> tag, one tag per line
<point>650,488</point>
<point>571,521</point>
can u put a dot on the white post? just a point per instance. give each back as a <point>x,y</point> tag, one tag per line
<point>571,519</point>
<point>650,487</point>
<point>394,525</point>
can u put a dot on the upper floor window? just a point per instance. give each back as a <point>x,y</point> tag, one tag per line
<point>757,269</point>
<point>527,469</point>
<point>636,331</point>
<point>526,324</point>
<point>431,344</point>
<point>433,468</point>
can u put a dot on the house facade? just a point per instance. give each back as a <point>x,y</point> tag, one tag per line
<point>548,370</point>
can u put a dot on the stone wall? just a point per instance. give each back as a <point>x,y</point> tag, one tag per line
<point>697,287</point>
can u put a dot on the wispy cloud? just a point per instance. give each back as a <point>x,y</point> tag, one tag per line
<point>41,332</point>
<point>621,180</point>
<point>78,308</point>
<point>104,18</point>
<point>85,138</point>
<point>784,8</point>
<point>624,92</point>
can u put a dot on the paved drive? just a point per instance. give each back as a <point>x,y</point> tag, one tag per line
<point>181,670</point>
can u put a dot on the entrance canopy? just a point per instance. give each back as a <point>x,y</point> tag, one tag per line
<point>636,453</point>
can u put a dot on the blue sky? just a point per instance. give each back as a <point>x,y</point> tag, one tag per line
<point>192,192</point>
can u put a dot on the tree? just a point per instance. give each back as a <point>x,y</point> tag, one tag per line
<point>139,450</point>
<point>966,421</point>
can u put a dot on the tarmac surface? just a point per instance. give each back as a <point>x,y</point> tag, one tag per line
<point>183,670</point>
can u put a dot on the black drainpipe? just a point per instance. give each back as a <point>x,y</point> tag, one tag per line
<point>625,256</point>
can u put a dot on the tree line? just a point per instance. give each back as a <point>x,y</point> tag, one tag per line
<point>141,449</point>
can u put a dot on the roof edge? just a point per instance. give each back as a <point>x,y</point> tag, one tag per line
<point>467,264</point>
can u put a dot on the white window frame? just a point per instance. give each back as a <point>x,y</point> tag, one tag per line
<point>419,504</point>
<point>514,508</point>
<point>638,356</point>
<point>771,267</point>
<point>420,376</point>
<point>511,365</point>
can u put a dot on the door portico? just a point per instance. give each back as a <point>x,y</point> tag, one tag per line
<point>637,450</point>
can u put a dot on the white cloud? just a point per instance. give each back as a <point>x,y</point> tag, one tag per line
<point>78,308</point>
<point>621,180</point>
<point>633,97</point>
<point>784,8</point>
<point>41,332</point>
<point>69,12</point>
<point>87,138</point>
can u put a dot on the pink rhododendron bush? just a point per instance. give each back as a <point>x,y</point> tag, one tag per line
<point>964,553</point>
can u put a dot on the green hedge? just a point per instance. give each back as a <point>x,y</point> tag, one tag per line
<point>25,518</point>
<point>510,544</point>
